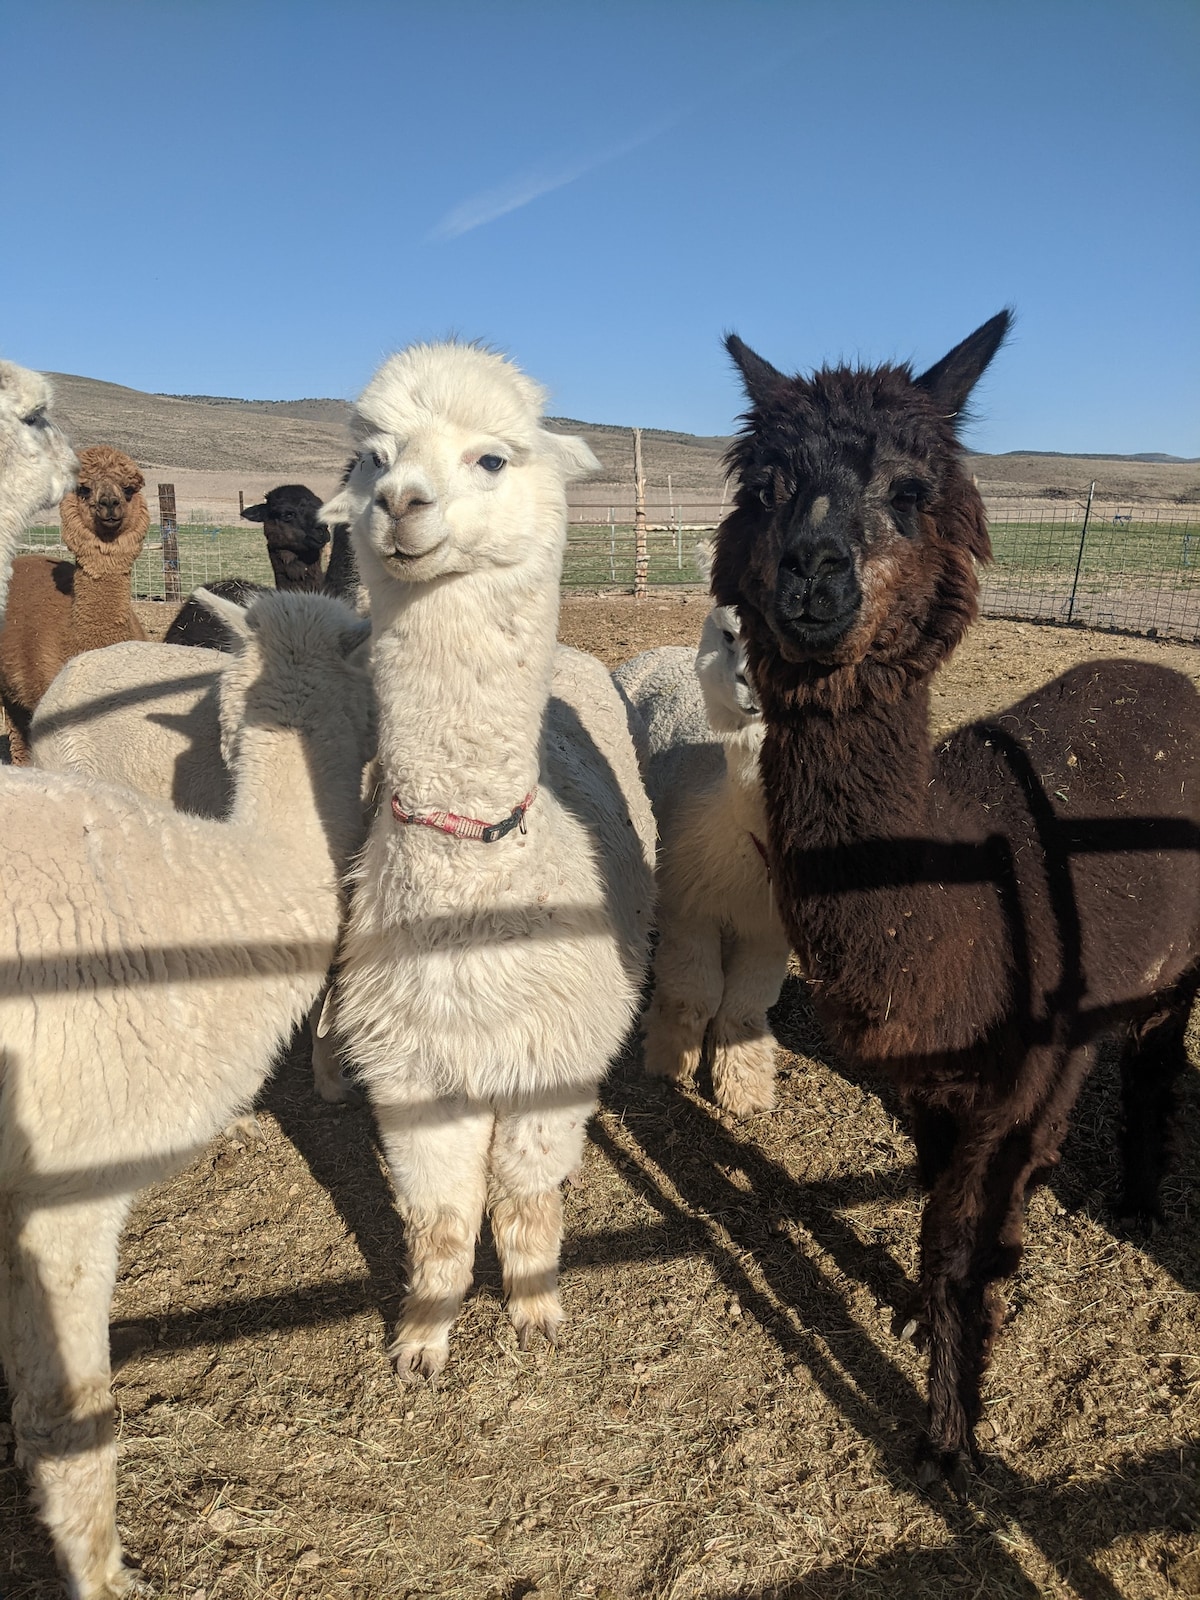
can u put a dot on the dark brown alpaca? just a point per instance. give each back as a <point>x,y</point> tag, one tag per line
<point>971,918</point>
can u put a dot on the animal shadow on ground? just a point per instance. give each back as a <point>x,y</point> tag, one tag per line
<point>678,1160</point>
<point>1121,1503</point>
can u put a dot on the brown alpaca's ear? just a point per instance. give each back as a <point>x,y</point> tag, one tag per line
<point>950,380</point>
<point>762,381</point>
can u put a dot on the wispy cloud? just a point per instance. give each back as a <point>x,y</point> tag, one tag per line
<point>521,190</point>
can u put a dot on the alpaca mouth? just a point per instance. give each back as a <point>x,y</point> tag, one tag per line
<point>407,557</point>
<point>808,638</point>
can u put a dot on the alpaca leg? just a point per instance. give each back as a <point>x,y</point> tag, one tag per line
<point>1152,1060</point>
<point>535,1146</point>
<point>971,1235</point>
<point>959,1257</point>
<point>60,1267</point>
<point>437,1151</point>
<point>687,991</point>
<point>743,1066</point>
<point>934,1131</point>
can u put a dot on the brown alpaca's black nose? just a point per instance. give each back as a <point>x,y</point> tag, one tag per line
<point>816,592</point>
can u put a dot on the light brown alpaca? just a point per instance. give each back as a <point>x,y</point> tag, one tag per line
<point>57,609</point>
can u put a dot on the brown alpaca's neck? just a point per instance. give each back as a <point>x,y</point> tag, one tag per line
<point>858,825</point>
<point>101,610</point>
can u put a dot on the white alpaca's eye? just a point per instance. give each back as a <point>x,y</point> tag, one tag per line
<point>491,463</point>
<point>377,460</point>
<point>36,419</point>
<point>726,635</point>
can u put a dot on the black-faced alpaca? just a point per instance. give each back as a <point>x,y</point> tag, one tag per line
<point>972,917</point>
<point>295,536</point>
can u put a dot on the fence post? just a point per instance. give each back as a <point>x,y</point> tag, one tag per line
<point>1079,558</point>
<point>170,541</point>
<point>641,558</point>
<point>612,544</point>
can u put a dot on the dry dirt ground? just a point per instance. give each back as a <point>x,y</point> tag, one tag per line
<point>728,1415</point>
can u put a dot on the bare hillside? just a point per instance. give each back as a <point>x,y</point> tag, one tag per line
<point>264,441</point>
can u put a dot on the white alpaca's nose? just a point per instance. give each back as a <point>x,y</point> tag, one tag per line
<point>400,500</point>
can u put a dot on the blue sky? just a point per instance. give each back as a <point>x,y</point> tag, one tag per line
<point>265,199</point>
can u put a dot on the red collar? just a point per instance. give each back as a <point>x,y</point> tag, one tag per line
<point>467,827</point>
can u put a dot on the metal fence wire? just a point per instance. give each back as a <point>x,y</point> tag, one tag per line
<point>1127,566</point>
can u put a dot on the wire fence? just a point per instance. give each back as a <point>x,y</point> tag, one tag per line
<point>1100,563</point>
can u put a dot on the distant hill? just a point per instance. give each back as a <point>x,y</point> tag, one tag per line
<point>309,439</point>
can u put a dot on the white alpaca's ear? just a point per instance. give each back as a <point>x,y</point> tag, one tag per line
<point>339,508</point>
<point>704,560</point>
<point>357,634</point>
<point>226,611</point>
<point>571,454</point>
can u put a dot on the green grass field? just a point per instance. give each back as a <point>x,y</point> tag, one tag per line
<point>599,555</point>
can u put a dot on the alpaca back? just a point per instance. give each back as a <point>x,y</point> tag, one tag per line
<point>160,959</point>
<point>682,754</point>
<point>141,715</point>
<point>1093,782</point>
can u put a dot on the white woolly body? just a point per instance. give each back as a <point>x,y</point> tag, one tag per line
<point>142,715</point>
<point>37,465</point>
<point>484,988</point>
<point>506,969</point>
<point>154,965</point>
<point>722,951</point>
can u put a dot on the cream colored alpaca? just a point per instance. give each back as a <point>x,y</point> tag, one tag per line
<point>37,465</point>
<point>145,716</point>
<point>155,964</point>
<point>483,987</point>
<point>722,953</point>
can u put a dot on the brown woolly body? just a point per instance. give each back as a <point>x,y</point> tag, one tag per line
<point>971,918</point>
<point>57,609</point>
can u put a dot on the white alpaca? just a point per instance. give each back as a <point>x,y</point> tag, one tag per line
<point>154,965</point>
<point>146,716</point>
<point>37,465</point>
<point>722,953</point>
<point>483,987</point>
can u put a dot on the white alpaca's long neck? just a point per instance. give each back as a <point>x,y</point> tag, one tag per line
<point>462,671</point>
<point>744,777</point>
<point>12,531</point>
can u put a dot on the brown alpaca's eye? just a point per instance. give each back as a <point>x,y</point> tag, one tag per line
<point>83,490</point>
<point>130,491</point>
<point>909,494</point>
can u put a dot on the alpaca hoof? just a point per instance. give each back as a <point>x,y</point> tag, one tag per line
<point>1140,1221</point>
<point>744,1101</point>
<point>415,1361</point>
<point>543,1315</point>
<point>247,1130</point>
<point>743,1074</point>
<point>954,1468</point>
<point>910,1326</point>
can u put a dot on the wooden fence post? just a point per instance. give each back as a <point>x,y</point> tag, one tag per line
<point>170,541</point>
<point>641,559</point>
